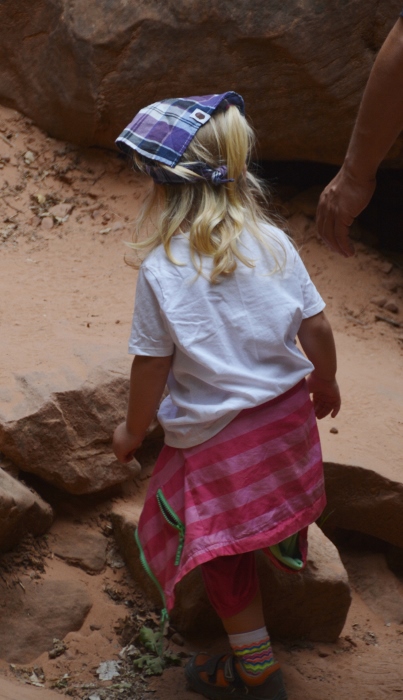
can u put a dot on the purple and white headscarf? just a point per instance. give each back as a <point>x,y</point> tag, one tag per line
<point>161,133</point>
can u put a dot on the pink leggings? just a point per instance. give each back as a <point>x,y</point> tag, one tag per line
<point>231,583</point>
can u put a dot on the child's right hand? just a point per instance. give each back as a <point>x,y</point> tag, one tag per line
<point>125,444</point>
<point>325,396</point>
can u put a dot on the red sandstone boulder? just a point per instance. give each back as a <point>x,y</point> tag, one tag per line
<point>22,511</point>
<point>81,70</point>
<point>60,427</point>
<point>32,617</point>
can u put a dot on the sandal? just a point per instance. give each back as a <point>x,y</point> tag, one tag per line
<point>217,677</point>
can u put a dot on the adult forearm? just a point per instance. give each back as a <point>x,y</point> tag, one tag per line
<point>380,117</point>
<point>379,122</point>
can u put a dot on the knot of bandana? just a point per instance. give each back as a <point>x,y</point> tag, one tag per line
<point>163,176</point>
<point>217,176</point>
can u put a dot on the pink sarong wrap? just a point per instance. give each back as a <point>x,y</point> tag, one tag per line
<point>252,485</point>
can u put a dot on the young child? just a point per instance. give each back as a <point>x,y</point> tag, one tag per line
<point>220,300</point>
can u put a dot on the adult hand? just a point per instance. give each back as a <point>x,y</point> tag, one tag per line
<point>325,396</point>
<point>125,444</point>
<point>340,203</point>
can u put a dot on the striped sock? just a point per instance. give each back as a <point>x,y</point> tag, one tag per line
<point>255,654</point>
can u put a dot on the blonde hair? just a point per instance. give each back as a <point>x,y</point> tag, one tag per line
<point>214,216</point>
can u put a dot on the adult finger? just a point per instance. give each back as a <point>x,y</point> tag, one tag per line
<point>322,221</point>
<point>342,237</point>
<point>326,218</point>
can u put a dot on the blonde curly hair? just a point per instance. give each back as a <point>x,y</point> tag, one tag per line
<point>213,216</point>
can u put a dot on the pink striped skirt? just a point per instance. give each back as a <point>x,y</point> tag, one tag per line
<point>249,487</point>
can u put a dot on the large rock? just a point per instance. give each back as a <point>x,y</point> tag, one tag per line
<point>21,511</point>
<point>312,604</point>
<point>81,70</point>
<point>60,427</point>
<point>363,500</point>
<point>31,619</point>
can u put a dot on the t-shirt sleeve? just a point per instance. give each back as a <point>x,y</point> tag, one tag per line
<point>149,334</point>
<point>312,301</point>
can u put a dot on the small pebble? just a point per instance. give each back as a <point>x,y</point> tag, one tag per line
<point>34,221</point>
<point>386,268</point>
<point>29,157</point>
<point>334,431</point>
<point>390,285</point>
<point>47,223</point>
<point>379,301</point>
<point>61,210</point>
<point>177,639</point>
<point>392,307</point>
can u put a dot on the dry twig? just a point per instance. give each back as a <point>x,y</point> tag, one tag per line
<point>3,138</point>
<point>392,322</point>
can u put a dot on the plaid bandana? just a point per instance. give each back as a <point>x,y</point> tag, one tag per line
<point>161,132</point>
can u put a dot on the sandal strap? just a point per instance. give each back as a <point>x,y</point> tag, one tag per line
<point>272,687</point>
<point>230,673</point>
<point>221,662</point>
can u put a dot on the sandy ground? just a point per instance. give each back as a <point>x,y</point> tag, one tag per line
<point>66,300</point>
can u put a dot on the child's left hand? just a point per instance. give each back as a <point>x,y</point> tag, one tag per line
<point>125,444</point>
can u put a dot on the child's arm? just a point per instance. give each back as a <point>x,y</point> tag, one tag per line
<point>147,382</point>
<point>316,338</point>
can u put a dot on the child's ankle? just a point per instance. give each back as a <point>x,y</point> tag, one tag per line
<point>254,655</point>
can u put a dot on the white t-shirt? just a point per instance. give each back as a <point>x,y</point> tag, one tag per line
<point>233,343</point>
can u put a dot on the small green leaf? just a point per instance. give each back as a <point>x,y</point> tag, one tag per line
<point>149,639</point>
<point>150,665</point>
<point>172,659</point>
